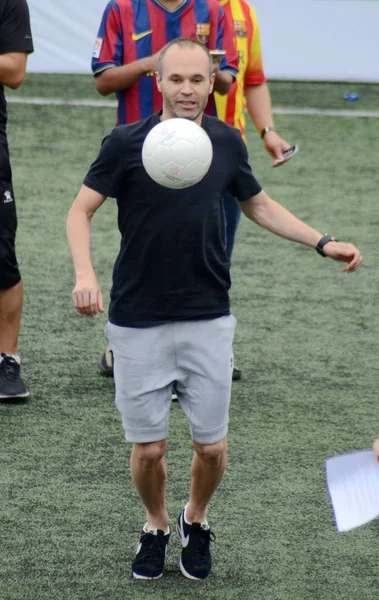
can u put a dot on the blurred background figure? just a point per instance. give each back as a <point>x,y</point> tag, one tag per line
<point>15,45</point>
<point>249,91</point>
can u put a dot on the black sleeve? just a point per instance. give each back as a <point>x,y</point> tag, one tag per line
<point>243,184</point>
<point>108,170</point>
<point>15,32</point>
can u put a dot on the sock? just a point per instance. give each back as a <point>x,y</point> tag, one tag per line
<point>204,524</point>
<point>147,529</point>
<point>15,356</point>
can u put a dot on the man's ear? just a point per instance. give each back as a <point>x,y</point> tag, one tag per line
<point>158,80</point>
<point>213,77</point>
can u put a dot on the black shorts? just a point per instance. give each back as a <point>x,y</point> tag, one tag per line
<point>9,273</point>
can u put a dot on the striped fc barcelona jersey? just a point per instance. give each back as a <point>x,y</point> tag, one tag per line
<point>243,19</point>
<point>134,29</point>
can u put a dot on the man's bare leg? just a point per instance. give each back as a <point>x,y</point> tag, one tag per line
<point>149,476</point>
<point>208,466</point>
<point>11,384</point>
<point>10,318</point>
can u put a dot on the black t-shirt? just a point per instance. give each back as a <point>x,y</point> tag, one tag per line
<point>15,36</point>
<point>172,263</point>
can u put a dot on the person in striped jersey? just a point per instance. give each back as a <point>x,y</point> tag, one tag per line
<point>249,91</point>
<point>131,34</point>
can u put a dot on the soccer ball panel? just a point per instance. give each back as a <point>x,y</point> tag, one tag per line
<point>161,155</point>
<point>202,150</point>
<point>192,170</point>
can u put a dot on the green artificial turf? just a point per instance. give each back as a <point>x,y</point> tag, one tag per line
<point>300,94</point>
<point>307,342</point>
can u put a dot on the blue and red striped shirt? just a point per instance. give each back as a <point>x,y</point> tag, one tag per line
<point>134,29</point>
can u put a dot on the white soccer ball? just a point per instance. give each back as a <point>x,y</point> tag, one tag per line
<point>177,153</point>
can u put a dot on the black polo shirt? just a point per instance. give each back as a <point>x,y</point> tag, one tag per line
<point>15,36</point>
<point>172,263</point>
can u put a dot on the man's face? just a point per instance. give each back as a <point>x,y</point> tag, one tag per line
<point>185,82</point>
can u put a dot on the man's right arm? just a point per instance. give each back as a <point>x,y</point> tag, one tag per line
<point>110,65</point>
<point>15,43</point>
<point>86,295</point>
<point>116,79</point>
<point>12,69</point>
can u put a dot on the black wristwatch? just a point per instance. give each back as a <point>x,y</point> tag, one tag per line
<point>324,240</point>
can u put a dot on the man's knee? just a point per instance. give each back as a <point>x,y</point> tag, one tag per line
<point>150,454</point>
<point>212,454</point>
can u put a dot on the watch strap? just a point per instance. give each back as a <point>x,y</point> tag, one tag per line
<point>323,241</point>
<point>267,129</point>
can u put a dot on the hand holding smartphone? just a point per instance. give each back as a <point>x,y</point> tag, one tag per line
<point>287,155</point>
<point>217,55</point>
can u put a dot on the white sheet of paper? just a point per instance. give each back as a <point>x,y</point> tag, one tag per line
<point>353,483</point>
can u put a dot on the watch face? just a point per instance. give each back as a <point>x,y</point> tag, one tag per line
<point>266,130</point>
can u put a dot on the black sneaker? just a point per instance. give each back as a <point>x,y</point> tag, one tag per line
<point>106,362</point>
<point>11,384</point>
<point>237,374</point>
<point>196,561</point>
<point>151,554</point>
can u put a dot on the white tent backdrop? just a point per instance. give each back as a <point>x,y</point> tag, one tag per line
<point>334,40</point>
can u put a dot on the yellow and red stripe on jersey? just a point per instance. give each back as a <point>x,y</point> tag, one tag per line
<point>243,19</point>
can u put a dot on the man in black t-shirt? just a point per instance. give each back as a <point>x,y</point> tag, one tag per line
<point>15,45</point>
<point>169,316</point>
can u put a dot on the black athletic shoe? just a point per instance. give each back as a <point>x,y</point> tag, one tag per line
<point>11,384</point>
<point>237,374</point>
<point>196,560</point>
<point>106,362</point>
<point>151,554</point>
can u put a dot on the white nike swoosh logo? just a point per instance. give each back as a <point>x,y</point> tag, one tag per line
<point>183,538</point>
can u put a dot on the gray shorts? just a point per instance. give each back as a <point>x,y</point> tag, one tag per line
<point>195,357</point>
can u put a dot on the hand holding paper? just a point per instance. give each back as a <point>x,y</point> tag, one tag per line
<point>353,483</point>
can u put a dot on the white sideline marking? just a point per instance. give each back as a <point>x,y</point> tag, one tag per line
<point>278,110</point>
<point>60,102</point>
<point>327,112</point>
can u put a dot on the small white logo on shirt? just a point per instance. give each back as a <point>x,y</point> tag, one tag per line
<point>97,47</point>
<point>7,197</point>
<point>183,538</point>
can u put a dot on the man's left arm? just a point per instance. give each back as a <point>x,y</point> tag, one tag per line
<point>263,210</point>
<point>272,216</point>
<point>258,97</point>
<point>15,44</point>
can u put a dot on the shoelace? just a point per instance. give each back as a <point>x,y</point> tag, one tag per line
<point>9,367</point>
<point>151,543</point>
<point>205,537</point>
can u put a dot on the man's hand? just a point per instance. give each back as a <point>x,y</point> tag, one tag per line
<point>375,448</point>
<point>275,145</point>
<point>344,252</point>
<point>150,63</point>
<point>223,81</point>
<point>87,297</point>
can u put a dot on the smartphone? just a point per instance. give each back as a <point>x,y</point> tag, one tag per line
<point>217,55</point>
<point>287,154</point>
